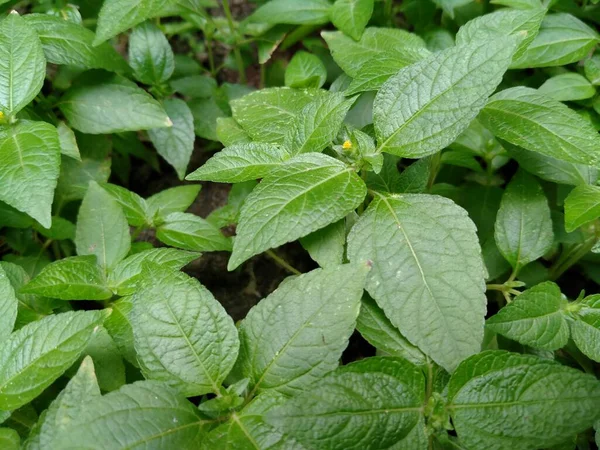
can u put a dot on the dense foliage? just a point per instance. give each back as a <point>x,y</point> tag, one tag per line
<point>436,159</point>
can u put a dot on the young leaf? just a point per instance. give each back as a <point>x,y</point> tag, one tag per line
<point>37,354</point>
<point>8,306</point>
<point>370,404</point>
<point>582,206</point>
<point>241,162</point>
<point>68,142</point>
<point>282,208</point>
<point>307,12</point>
<point>305,70</point>
<point>288,340</point>
<point>30,160</point>
<point>326,246</point>
<point>531,120</point>
<point>193,233</point>
<point>68,43</point>
<point>523,229</point>
<point>22,64</point>
<point>491,393</point>
<point>352,16</point>
<point>103,103</point>
<point>534,318</point>
<point>585,329</point>
<point>417,244</point>
<point>134,207</point>
<point>74,278</point>
<point>176,143</point>
<point>424,107</point>
<point>102,228</point>
<point>183,336</point>
<point>568,87</point>
<point>150,54</point>
<point>173,200</point>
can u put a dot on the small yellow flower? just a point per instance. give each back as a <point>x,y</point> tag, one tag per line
<point>347,145</point>
<point>1,115</point>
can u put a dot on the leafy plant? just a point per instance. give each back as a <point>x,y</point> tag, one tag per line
<point>423,173</point>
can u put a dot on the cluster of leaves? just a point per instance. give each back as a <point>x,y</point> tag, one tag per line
<point>445,181</point>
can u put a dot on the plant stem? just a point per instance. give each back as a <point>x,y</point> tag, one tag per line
<point>571,257</point>
<point>236,49</point>
<point>282,262</point>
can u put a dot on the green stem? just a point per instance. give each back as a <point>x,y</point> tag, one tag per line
<point>569,258</point>
<point>236,50</point>
<point>282,262</point>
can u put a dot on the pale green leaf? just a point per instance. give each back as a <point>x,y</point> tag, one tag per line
<point>305,70</point>
<point>110,369</point>
<point>134,207</point>
<point>8,306</point>
<point>150,54</point>
<point>118,325</point>
<point>192,233</point>
<point>9,439</point>
<point>519,4</point>
<point>592,69</point>
<point>68,143</point>
<point>195,86</point>
<point>568,87</point>
<point>582,206</point>
<point>306,12</point>
<point>327,245</point>
<point>585,329</point>
<point>352,16</point>
<point>450,5</point>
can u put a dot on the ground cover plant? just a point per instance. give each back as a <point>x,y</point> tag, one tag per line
<point>299,224</point>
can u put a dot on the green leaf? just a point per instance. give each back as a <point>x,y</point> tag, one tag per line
<point>491,393</point>
<point>68,43</point>
<point>103,103</point>
<point>585,329</point>
<point>192,233</point>
<point>428,274</point>
<point>241,162</point>
<point>377,329</point>
<point>195,86</point>
<point>134,207</point>
<point>327,245</point>
<point>562,39</point>
<point>519,4</point>
<point>450,5</point>
<point>124,278</point>
<point>582,206</point>
<point>30,158</point>
<point>74,278</point>
<point>284,206</point>
<point>592,69</point>
<point>37,354</point>
<point>389,178</point>
<point>378,55</point>
<point>305,70</point>
<point>102,228</point>
<point>534,318</point>
<point>61,229</point>
<point>168,201</point>
<point>568,87</point>
<point>307,12</point>
<point>143,414</point>
<point>352,16</point>
<point>150,54</point>
<point>8,306</point>
<point>230,132</point>
<point>116,16</point>
<point>82,389</point>
<point>68,142</point>
<point>425,107</point>
<point>9,439</point>
<point>206,113</point>
<point>288,340</point>
<point>110,369</point>
<point>266,114</point>
<point>176,143</point>
<point>118,325</point>
<point>370,404</point>
<point>528,119</point>
<point>22,64</point>
<point>183,336</point>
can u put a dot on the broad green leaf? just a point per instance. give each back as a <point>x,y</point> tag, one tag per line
<point>241,162</point>
<point>592,69</point>
<point>562,39</point>
<point>172,200</point>
<point>377,329</point>
<point>183,336</point>
<point>74,278</point>
<point>176,143</point>
<point>134,207</point>
<point>37,354</point>
<point>428,274</point>
<point>117,16</point>
<point>266,114</point>
<point>504,22</point>
<point>306,12</point>
<point>582,206</point>
<point>192,233</point>
<point>534,318</point>
<point>529,119</point>
<point>150,54</point>
<point>82,389</point>
<point>585,329</point>
<point>68,142</point>
<point>9,439</point>
<point>519,4</point>
<point>305,194</point>
<point>425,107</point>
<point>65,42</point>
<point>206,113</point>
<point>523,229</point>
<point>305,70</point>
<point>8,306</point>
<point>450,5</point>
<point>61,229</point>
<point>124,278</point>
<point>327,245</point>
<point>389,178</point>
<point>146,414</point>
<point>367,405</point>
<point>110,369</point>
<point>118,325</point>
<point>482,203</point>
<point>288,340</point>
<point>102,228</point>
<point>490,394</point>
<point>102,103</point>
<point>11,217</point>
<point>195,86</point>
<point>378,55</point>
<point>22,64</point>
<point>568,87</point>
<point>230,132</point>
<point>352,16</point>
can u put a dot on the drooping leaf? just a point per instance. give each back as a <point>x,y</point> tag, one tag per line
<point>582,206</point>
<point>190,232</point>
<point>352,16</point>
<point>150,54</point>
